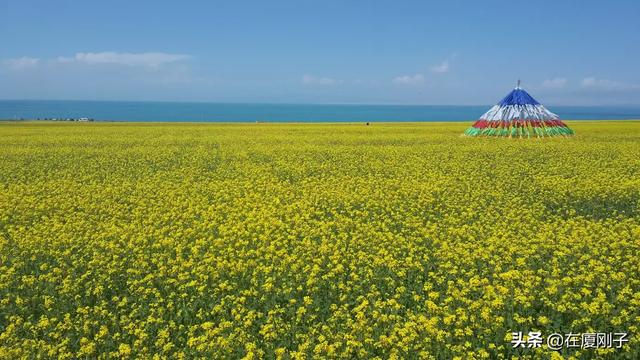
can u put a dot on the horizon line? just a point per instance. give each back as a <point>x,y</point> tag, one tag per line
<point>290,103</point>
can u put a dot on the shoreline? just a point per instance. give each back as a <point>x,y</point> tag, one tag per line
<point>23,121</point>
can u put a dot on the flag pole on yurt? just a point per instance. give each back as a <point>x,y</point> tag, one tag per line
<point>519,115</point>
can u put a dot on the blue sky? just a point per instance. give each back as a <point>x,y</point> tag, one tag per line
<point>371,52</point>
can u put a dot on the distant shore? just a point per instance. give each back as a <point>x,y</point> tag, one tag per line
<point>282,123</point>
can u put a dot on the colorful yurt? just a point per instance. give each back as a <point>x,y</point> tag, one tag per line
<point>519,115</point>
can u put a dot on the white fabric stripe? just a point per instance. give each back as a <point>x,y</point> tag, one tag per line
<point>518,112</point>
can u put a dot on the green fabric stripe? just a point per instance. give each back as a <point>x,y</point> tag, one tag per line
<point>527,131</point>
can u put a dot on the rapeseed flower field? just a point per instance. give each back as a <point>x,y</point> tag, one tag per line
<point>301,241</point>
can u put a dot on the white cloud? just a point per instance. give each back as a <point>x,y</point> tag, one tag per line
<point>409,79</point>
<point>442,68</point>
<point>593,83</point>
<point>555,83</point>
<point>314,80</point>
<point>148,59</point>
<point>21,63</point>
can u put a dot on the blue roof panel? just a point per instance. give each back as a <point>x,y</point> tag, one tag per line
<point>518,97</point>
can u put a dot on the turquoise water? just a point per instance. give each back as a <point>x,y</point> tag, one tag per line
<point>217,112</point>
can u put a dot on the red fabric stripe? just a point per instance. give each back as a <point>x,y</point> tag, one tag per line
<point>519,123</point>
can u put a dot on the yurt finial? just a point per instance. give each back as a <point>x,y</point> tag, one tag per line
<point>519,115</point>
